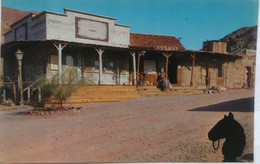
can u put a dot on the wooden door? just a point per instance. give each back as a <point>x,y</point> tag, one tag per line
<point>220,78</point>
<point>205,76</point>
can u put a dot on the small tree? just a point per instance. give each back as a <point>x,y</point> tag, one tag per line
<point>58,87</point>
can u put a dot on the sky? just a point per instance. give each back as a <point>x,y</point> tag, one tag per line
<point>194,21</point>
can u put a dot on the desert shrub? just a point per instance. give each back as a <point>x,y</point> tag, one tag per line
<point>56,87</point>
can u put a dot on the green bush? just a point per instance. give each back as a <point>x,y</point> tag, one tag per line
<point>58,87</point>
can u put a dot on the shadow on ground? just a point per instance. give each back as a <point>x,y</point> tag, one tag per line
<point>239,105</point>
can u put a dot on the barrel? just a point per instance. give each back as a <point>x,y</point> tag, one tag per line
<point>165,84</point>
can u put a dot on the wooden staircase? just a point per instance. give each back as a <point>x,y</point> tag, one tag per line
<point>151,91</point>
<point>93,94</point>
<point>90,94</point>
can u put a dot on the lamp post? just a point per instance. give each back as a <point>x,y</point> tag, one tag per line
<point>19,57</point>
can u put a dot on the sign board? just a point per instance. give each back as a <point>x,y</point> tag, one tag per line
<point>91,29</point>
<point>167,48</point>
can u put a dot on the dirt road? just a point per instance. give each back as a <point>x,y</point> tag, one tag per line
<point>165,129</point>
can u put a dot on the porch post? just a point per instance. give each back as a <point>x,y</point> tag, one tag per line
<point>167,55</point>
<point>60,48</point>
<point>134,66</point>
<point>138,64</point>
<point>100,52</point>
<point>1,70</point>
<point>225,75</point>
<point>193,56</point>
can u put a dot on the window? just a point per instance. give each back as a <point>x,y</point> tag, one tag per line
<point>69,61</point>
<point>54,62</point>
<point>220,71</point>
<point>90,61</point>
<point>96,64</point>
<point>123,63</point>
<point>149,66</point>
<point>108,62</point>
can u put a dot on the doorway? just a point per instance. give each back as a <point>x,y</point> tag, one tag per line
<point>205,76</point>
<point>150,73</point>
<point>172,72</point>
<point>69,67</point>
<point>248,76</point>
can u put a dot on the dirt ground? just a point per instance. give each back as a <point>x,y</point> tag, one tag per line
<point>157,129</point>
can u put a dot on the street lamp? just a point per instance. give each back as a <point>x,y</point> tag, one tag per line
<point>19,57</point>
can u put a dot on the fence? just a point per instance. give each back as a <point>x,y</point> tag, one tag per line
<point>9,91</point>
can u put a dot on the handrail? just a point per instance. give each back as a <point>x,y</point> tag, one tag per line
<point>6,83</point>
<point>32,83</point>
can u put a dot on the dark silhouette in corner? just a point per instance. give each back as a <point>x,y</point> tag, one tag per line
<point>235,142</point>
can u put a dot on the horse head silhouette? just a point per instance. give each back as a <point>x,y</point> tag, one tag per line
<point>235,142</point>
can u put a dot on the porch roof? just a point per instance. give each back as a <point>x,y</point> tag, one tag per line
<point>27,43</point>
<point>155,42</point>
<point>212,53</point>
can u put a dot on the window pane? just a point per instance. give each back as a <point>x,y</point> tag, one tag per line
<point>54,62</point>
<point>220,72</point>
<point>69,60</point>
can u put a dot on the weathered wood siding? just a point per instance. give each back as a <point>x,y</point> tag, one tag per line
<point>29,28</point>
<point>215,46</point>
<point>64,27</point>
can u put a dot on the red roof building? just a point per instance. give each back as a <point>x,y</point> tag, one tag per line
<point>155,42</point>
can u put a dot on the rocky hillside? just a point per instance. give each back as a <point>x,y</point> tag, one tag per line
<point>241,39</point>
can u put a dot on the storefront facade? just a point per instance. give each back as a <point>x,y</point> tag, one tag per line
<point>101,52</point>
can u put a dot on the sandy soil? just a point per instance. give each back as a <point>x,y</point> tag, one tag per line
<point>165,129</point>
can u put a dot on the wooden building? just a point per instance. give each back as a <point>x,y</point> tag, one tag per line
<point>105,53</point>
<point>215,46</point>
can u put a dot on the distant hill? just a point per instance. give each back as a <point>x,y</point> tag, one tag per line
<point>241,39</point>
<point>10,16</point>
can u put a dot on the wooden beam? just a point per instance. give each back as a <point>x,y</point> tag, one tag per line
<point>60,48</point>
<point>138,64</point>
<point>14,89</point>
<point>134,66</point>
<point>193,56</point>
<point>100,52</point>
<point>167,55</point>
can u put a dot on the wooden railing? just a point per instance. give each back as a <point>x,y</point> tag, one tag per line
<point>29,88</point>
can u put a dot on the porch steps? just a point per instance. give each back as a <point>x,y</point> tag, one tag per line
<point>87,94</point>
<point>151,91</point>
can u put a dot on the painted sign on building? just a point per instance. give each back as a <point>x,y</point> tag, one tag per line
<point>167,48</point>
<point>91,29</point>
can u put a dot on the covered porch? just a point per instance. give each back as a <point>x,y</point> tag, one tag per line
<point>91,64</point>
<point>199,69</point>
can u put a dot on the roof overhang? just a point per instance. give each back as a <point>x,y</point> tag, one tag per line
<point>25,44</point>
<point>184,52</point>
